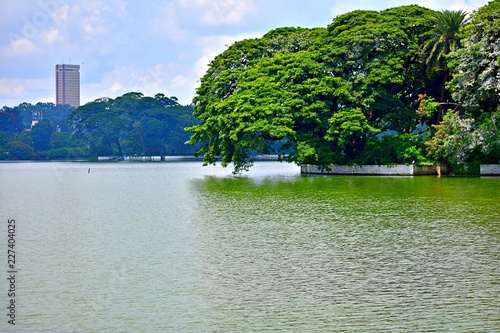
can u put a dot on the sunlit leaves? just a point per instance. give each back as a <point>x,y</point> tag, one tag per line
<point>472,136</point>
<point>315,95</point>
<point>461,140</point>
<point>476,84</point>
<point>444,37</point>
<point>454,140</point>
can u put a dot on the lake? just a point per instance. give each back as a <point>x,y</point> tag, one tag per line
<point>177,247</point>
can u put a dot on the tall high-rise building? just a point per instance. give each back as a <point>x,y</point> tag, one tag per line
<point>68,84</point>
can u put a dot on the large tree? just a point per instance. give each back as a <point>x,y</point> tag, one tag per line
<point>471,136</point>
<point>10,120</point>
<point>246,98</point>
<point>377,54</point>
<point>41,135</point>
<point>443,39</point>
<point>476,83</point>
<point>313,95</point>
<point>133,124</point>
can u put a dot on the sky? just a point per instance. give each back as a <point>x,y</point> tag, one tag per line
<point>148,46</point>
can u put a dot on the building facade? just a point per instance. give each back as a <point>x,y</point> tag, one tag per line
<point>68,84</point>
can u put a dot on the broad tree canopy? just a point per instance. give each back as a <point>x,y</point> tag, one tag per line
<point>133,124</point>
<point>314,95</point>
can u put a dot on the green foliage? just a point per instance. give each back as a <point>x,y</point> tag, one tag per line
<point>41,135</point>
<point>471,137</point>
<point>18,150</point>
<point>394,148</point>
<point>129,124</point>
<point>63,139</point>
<point>489,138</point>
<point>260,105</point>
<point>26,112</point>
<point>476,84</point>
<point>318,93</point>
<point>378,54</point>
<point>4,138</point>
<point>461,141</point>
<point>444,38</point>
<point>64,146</point>
<point>10,120</point>
<point>133,124</point>
<point>65,153</point>
<point>349,128</point>
<point>427,106</point>
<point>288,40</point>
<point>24,137</point>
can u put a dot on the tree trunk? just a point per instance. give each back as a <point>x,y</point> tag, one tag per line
<point>442,97</point>
<point>119,146</point>
<point>356,145</point>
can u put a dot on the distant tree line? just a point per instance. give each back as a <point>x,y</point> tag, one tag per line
<point>132,124</point>
<point>403,85</point>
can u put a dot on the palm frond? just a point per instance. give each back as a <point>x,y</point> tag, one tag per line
<point>445,37</point>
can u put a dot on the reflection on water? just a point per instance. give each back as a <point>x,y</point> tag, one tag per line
<point>352,254</point>
<point>174,247</point>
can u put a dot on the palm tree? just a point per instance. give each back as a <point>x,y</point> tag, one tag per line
<point>444,39</point>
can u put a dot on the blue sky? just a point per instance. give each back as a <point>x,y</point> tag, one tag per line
<point>149,46</point>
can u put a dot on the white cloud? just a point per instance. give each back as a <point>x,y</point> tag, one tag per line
<point>122,79</point>
<point>221,11</point>
<point>97,18</point>
<point>51,36</point>
<point>124,46</point>
<point>343,7</point>
<point>214,45</point>
<point>60,14</point>
<point>159,78</point>
<point>227,11</point>
<point>13,89</point>
<point>149,80</point>
<point>20,47</point>
<point>201,65</point>
<point>180,81</point>
<point>91,91</point>
<point>115,87</point>
<point>167,23</point>
<point>93,24</point>
<point>467,5</point>
<point>121,8</point>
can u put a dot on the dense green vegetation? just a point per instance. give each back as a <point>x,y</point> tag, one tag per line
<point>49,138</point>
<point>131,124</point>
<point>372,87</point>
<point>403,85</point>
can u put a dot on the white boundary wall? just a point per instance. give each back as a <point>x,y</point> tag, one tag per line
<point>490,169</point>
<point>375,170</point>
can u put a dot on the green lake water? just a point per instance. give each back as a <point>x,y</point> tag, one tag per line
<point>177,247</point>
